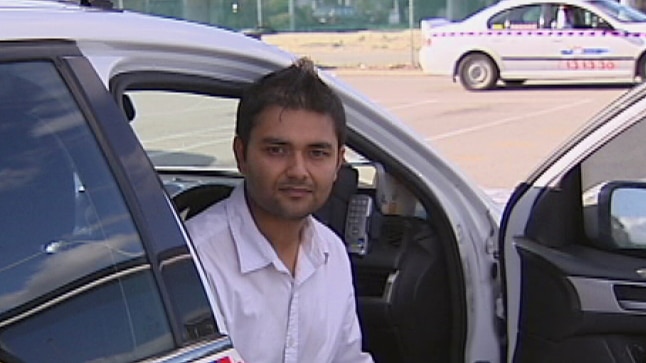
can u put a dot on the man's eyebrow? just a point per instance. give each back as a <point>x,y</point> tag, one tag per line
<point>278,141</point>
<point>321,145</point>
<point>274,141</point>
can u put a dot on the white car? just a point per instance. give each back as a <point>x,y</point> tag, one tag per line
<point>116,127</point>
<point>519,40</point>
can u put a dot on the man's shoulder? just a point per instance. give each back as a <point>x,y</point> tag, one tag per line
<point>328,237</point>
<point>211,221</point>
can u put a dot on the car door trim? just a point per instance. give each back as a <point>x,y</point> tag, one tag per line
<point>75,292</point>
<point>210,351</point>
<point>598,295</point>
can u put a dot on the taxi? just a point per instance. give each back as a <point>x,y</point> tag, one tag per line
<point>518,40</point>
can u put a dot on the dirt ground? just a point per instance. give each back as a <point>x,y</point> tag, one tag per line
<point>395,49</point>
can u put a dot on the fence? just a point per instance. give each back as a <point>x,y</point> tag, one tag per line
<point>306,15</point>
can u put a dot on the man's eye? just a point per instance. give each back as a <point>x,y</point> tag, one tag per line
<point>276,150</point>
<point>319,154</point>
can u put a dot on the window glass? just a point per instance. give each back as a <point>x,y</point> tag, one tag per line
<point>185,129</point>
<point>574,17</point>
<point>618,162</point>
<point>619,11</point>
<point>522,17</point>
<point>75,284</point>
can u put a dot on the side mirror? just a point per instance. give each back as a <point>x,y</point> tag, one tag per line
<point>622,215</point>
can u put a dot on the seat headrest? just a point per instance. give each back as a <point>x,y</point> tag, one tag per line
<point>333,212</point>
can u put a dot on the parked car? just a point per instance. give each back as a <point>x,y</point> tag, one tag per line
<point>116,128</point>
<point>518,40</point>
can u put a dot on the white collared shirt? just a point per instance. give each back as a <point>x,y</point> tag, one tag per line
<point>270,315</point>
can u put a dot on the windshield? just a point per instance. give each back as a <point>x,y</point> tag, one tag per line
<point>619,12</point>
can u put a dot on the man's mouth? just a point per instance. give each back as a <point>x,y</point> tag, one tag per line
<point>296,191</point>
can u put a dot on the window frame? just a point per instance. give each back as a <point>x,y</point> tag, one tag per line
<point>159,227</point>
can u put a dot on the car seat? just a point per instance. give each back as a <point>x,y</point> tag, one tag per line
<point>333,213</point>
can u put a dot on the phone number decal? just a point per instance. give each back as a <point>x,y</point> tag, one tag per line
<point>586,65</point>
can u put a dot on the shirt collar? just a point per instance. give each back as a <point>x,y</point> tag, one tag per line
<point>255,251</point>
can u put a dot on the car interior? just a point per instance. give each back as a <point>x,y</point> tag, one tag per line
<point>409,290</point>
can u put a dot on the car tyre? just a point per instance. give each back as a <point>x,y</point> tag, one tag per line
<point>477,72</point>
<point>641,68</point>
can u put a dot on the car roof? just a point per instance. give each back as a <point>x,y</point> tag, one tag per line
<point>43,19</point>
<point>24,4</point>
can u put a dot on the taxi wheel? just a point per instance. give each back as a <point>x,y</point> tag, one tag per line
<point>477,72</point>
<point>641,68</point>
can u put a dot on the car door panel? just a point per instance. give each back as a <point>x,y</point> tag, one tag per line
<point>153,213</point>
<point>581,298</point>
<point>215,351</point>
<point>590,48</point>
<point>568,318</point>
<point>521,42</point>
<point>90,240</point>
<point>590,53</point>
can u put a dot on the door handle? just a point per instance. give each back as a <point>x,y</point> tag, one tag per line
<point>632,305</point>
<point>631,297</point>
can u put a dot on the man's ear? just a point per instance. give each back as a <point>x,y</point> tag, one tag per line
<point>239,152</point>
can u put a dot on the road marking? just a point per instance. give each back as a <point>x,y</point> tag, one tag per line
<point>504,121</point>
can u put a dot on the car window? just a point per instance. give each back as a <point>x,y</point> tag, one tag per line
<point>193,130</point>
<point>522,17</point>
<point>574,17</point>
<point>185,129</point>
<point>75,283</point>
<point>618,163</point>
<point>619,11</point>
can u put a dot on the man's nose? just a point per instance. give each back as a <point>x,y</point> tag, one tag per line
<point>297,165</point>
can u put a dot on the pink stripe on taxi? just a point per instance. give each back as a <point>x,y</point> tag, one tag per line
<point>549,33</point>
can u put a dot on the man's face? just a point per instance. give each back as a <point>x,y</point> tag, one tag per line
<point>291,162</point>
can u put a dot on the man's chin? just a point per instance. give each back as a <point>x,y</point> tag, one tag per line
<point>293,212</point>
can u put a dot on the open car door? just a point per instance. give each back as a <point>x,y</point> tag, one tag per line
<point>573,246</point>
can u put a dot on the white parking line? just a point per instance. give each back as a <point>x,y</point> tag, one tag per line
<point>508,120</point>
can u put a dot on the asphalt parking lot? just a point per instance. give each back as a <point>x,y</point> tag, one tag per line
<point>496,137</point>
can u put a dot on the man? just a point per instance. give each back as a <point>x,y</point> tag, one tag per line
<point>282,279</point>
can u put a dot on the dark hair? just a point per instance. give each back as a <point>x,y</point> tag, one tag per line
<point>296,87</point>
